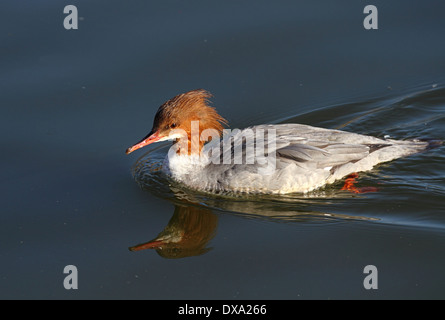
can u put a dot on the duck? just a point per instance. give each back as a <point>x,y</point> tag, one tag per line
<point>261,159</point>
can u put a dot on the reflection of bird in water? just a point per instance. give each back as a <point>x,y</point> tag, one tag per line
<point>186,234</point>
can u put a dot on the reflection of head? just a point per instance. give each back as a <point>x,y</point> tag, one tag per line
<point>186,234</point>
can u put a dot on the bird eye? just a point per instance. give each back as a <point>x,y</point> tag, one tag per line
<point>173,125</point>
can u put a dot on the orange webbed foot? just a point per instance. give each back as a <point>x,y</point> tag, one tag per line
<point>349,185</point>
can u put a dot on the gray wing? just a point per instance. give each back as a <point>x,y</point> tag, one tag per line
<point>304,157</point>
<point>317,148</point>
<point>306,146</point>
<point>309,148</point>
<point>311,157</point>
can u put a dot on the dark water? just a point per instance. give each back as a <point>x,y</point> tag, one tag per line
<point>73,100</point>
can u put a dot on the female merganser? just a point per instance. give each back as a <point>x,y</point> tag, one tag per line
<point>279,158</point>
